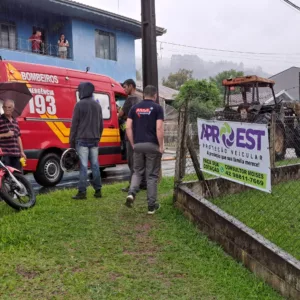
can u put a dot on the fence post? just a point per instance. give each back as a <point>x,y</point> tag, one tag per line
<point>196,164</point>
<point>181,148</point>
<point>272,140</point>
<point>194,158</point>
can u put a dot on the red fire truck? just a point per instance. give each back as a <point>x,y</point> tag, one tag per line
<point>46,120</point>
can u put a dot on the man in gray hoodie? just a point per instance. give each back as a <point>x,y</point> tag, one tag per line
<point>86,132</point>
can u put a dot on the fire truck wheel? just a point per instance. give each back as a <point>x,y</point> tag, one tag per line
<point>49,172</point>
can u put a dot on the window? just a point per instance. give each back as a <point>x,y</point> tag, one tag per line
<point>105,43</point>
<point>8,37</point>
<point>104,101</point>
<point>120,100</point>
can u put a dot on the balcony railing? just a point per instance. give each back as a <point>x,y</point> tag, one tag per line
<point>26,46</point>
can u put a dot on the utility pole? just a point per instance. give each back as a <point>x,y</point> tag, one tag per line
<point>149,48</point>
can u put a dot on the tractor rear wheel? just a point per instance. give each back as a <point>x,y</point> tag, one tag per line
<point>280,141</point>
<point>280,136</point>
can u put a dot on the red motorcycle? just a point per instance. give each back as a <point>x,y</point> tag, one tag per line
<point>15,189</point>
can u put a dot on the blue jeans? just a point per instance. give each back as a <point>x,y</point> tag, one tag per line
<point>88,152</point>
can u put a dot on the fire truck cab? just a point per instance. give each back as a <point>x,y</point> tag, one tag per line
<point>45,122</point>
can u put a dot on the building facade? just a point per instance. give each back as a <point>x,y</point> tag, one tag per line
<point>102,41</point>
<point>288,81</point>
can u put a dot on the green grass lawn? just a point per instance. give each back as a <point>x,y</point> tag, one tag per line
<point>194,177</point>
<point>287,162</point>
<point>100,249</point>
<point>276,216</point>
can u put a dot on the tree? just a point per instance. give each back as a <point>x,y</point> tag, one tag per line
<point>203,97</point>
<point>176,80</point>
<point>225,75</point>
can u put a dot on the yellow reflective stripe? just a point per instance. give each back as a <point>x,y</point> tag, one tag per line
<point>61,126</point>
<point>16,75</point>
<point>110,135</point>
<point>63,139</point>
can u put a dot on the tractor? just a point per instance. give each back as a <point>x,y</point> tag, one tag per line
<point>252,99</point>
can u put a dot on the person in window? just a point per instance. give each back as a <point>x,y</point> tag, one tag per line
<point>63,45</point>
<point>36,40</point>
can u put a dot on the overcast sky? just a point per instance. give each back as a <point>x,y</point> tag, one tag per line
<point>254,26</point>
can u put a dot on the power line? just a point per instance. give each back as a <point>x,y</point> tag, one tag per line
<point>237,56</point>
<point>291,4</point>
<point>277,60</point>
<point>230,51</point>
<point>292,88</point>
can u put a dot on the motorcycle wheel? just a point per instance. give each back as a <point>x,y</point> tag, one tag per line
<point>15,198</point>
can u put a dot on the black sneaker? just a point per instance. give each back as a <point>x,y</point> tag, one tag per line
<point>79,196</point>
<point>98,194</point>
<point>129,200</point>
<point>153,209</point>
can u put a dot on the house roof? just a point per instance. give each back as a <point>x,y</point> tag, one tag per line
<point>164,92</point>
<point>75,9</point>
<point>284,71</point>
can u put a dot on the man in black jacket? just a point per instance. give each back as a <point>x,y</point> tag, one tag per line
<point>132,99</point>
<point>86,132</point>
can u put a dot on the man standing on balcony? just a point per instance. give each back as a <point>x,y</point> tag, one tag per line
<point>36,40</point>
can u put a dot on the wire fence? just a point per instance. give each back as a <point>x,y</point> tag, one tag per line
<point>170,140</point>
<point>273,211</point>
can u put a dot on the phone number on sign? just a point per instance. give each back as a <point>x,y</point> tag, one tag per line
<point>245,178</point>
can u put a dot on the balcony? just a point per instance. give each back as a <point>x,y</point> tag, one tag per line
<point>24,45</point>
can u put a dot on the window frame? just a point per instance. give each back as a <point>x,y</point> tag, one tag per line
<point>124,98</point>
<point>99,32</point>
<point>11,25</point>
<point>99,93</point>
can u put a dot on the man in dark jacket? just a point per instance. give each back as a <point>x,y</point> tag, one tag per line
<point>132,99</point>
<point>86,132</point>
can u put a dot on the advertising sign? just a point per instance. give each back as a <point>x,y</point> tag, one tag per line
<point>236,151</point>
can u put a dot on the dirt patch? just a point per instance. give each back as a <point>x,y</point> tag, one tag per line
<point>25,273</point>
<point>143,233</point>
<point>138,252</point>
<point>58,292</point>
<point>143,227</point>
<point>180,275</point>
<point>142,245</point>
<point>114,276</point>
<point>151,260</point>
<point>77,270</point>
